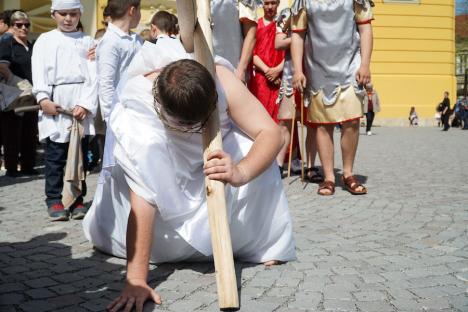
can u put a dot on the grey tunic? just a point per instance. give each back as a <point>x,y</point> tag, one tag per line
<point>227,30</point>
<point>332,46</point>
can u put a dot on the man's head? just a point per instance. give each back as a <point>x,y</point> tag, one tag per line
<point>4,22</point>
<point>125,9</point>
<point>369,87</point>
<point>186,93</point>
<point>161,24</point>
<point>446,94</point>
<point>270,8</point>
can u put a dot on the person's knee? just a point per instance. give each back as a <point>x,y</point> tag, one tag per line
<point>285,135</point>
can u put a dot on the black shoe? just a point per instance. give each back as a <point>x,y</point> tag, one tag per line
<point>29,172</point>
<point>78,211</point>
<point>12,174</point>
<point>313,175</point>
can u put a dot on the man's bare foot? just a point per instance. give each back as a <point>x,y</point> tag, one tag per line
<point>272,263</point>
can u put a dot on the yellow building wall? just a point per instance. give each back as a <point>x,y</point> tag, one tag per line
<point>414,55</point>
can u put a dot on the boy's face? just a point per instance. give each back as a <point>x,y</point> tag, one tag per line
<point>67,20</point>
<point>135,14</point>
<point>270,7</point>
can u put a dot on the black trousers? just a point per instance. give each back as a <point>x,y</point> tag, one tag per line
<point>445,121</point>
<point>370,119</point>
<point>19,137</point>
<point>55,159</point>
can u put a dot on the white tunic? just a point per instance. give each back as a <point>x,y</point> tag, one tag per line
<point>227,17</point>
<point>166,169</point>
<point>62,73</point>
<point>114,54</point>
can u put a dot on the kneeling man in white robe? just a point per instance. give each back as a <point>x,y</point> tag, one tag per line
<point>154,209</point>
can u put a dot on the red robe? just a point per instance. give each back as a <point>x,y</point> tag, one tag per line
<point>265,91</point>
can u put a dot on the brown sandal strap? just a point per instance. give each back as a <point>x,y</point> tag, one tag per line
<point>326,185</point>
<point>351,184</point>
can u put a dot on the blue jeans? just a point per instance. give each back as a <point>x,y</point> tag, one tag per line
<point>55,159</point>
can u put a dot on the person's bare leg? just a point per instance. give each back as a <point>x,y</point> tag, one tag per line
<point>286,139</point>
<point>349,143</point>
<point>326,154</point>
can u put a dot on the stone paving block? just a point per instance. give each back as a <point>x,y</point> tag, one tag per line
<point>264,282</point>
<point>369,296</point>
<point>95,305</point>
<point>337,292</point>
<point>339,305</point>
<point>305,301</point>
<point>40,293</point>
<point>372,278</point>
<point>429,292</point>
<point>41,282</point>
<point>375,306</point>
<point>406,304</point>
<point>67,278</point>
<point>65,301</point>
<point>437,304</point>
<point>281,292</point>
<point>288,282</point>
<point>63,289</point>
<point>12,298</point>
<point>37,306</point>
<point>11,287</point>
<point>313,285</point>
<point>250,292</point>
<point>185,305</point>
<point>460,302</point>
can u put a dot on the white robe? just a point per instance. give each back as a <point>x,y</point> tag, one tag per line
<point>62,73</point>
<point>166,169</point>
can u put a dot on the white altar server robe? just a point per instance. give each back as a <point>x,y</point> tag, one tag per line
<point>62,73</point>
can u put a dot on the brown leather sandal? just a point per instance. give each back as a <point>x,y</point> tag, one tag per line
<point>326,185</point>
<point>352,184</point>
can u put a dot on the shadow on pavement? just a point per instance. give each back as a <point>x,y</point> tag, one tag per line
<point>41,275</point>
<point>6,181</point>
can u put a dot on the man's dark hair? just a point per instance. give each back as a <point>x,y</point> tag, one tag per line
<point>106,12</point>
<point>187,91</point>
<point>118,8</point>
<point>174,25</point>
<point>163,21</point>
<point>6,16</point>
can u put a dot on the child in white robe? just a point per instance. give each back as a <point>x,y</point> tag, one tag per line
<point>63,77</point>
<point>159,173</point>
<point>116,50</point>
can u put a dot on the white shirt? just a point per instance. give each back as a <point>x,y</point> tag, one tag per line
<point>114,54</point>
<point>62,73</point>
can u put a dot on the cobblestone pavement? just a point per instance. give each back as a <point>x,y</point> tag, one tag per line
<point>403,247</point>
